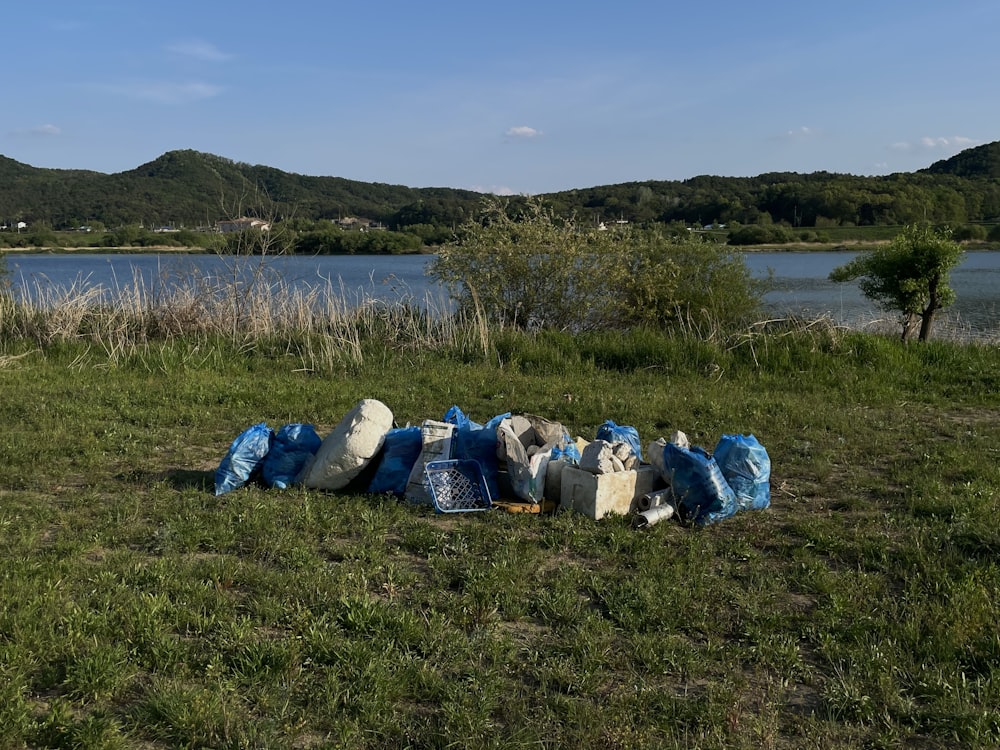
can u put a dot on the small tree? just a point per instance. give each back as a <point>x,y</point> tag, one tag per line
<point>532,270</point>
<point>909,276</point>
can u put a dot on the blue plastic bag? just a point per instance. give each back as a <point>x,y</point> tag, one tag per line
<point>244,459</point>
<point>477,442</point>
<point>614,433</point>
<point>702,492</point>
<point>292,447</point>
<point>399,454</point>
<point>746,466</point>
<point>566,450</point>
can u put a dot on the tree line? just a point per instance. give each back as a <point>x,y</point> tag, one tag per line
<point>189,189</point>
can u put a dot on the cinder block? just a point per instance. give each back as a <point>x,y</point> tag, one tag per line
<point>597,495</point>
<point>553,480</point>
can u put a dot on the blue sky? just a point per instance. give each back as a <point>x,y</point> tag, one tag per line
<point>517,96</point>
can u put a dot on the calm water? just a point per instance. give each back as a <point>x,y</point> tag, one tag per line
<point>801,286</point>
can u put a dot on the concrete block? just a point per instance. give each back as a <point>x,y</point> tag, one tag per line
<point>597,495</point>
<point>553,480</point>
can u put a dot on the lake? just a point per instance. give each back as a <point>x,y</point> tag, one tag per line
<point>800,280</point>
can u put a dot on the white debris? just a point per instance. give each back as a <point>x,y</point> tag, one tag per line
<point>349,447</point>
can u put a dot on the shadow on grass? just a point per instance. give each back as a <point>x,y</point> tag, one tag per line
<point>186,479</point>
<point>178,479</point>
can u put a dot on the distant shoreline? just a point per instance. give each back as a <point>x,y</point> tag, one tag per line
<point>851,246</point>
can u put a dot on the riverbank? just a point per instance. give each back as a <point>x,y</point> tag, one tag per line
<point>137,608</point>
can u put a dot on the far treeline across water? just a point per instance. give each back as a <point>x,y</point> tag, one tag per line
<point>183,197</point>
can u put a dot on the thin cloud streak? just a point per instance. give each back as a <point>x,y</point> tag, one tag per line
<point>199,49</point>
<point>165,92</point>
<point>930,143</point>
<point>523,132</point>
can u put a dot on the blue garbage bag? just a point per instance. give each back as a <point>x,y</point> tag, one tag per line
<point>566,450</point>
<point>293,445</point>
<point>696,482</point>
<point>614,433</point>
<point>477,442</point>
<point>244,458</point>
<point>400,451</point>
<point>746,466</point>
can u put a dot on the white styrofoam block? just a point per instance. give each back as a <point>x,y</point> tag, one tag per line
<point>349,447</point>
<point>597,495</point>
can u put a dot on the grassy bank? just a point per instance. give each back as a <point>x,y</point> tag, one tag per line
<point>139,610</point>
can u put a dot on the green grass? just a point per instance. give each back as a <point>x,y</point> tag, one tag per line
<point>139,610</point>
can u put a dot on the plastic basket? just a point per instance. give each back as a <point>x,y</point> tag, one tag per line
<point>457,486</point>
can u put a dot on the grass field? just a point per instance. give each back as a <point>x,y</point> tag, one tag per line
<point>137,609</point>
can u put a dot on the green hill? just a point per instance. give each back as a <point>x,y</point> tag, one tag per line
<point>981,161</point>
<point>190,188</point>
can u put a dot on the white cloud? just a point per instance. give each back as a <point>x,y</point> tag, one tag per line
<point>522,131</point>
<point>46,130</point>
<point>798,134</point>
<point>199,49</point>
<point>931,143</point>
<point>39,131</point>
<point>165,92</point>
<point>493,190</point>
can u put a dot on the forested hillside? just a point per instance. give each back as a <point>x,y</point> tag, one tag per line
<point>191,189</point>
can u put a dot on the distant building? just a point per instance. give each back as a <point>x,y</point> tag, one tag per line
<point>243,224</point>
<point>357,222</point>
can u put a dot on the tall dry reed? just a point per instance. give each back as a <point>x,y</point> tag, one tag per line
<point>325,325</point>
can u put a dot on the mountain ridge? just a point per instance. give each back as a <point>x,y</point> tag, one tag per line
<point>191,187</point>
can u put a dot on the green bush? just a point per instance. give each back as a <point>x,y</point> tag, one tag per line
<point>968,232</point>
<point>536,270</point>
<point>335,241</point>
<point>757,234</point>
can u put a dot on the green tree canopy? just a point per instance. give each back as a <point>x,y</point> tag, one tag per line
<point>909,275</point>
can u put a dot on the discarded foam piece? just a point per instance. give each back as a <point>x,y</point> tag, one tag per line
<point>654,454</point>
<point>522,429</point>
<point>526,473</point>
<point>598,458</point>
<point>598,495</point>
<point>654,451</point>
<point>545,430</point>
<point>624,453</point>
<point>437,444</point>
<point>349,447</point>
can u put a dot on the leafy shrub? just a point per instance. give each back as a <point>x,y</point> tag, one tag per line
<point>536,270</point>
<point>757,234</point>
<point>968,232</point>
<point>335,241</point>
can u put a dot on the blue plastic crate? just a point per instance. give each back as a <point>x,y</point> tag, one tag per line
<point>457,486</point>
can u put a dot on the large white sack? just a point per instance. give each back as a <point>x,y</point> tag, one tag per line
<point>349,447</point>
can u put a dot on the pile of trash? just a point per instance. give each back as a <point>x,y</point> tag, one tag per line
<point>520,463</point>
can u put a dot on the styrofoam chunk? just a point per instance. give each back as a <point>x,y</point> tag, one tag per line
<point>349,447</point>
